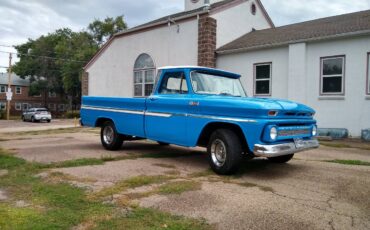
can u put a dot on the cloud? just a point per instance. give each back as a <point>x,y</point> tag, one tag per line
<point>23,19</point>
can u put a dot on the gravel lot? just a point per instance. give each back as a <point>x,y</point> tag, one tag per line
<point>306,193</point>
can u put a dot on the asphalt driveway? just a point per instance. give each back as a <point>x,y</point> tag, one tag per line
<point>306,193</point>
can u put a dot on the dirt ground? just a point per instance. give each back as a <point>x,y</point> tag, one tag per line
<point>306,193</point>
<point>12,126</point>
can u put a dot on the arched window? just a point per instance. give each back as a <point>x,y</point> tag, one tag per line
<point>144,71</point>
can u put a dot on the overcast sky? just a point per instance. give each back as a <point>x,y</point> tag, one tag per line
<point>23,19</point>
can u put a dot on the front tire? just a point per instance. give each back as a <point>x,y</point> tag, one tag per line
<point>281,159</point>
<point>33,119</point>
<point>224,152</point>
<point>110,138</point>
<point>162,143</point>
<point>23,119</point>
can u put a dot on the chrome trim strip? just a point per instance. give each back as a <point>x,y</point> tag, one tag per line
<point>166,115</point>
<point>154,114</point>
<point>113,110</point>
<point>222,118</point>
<point>283,149</point>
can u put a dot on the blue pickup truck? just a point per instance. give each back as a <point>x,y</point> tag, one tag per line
<point>198,106</point>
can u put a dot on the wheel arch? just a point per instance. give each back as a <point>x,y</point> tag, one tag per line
<point>101,120</point>
<point>213,126</point>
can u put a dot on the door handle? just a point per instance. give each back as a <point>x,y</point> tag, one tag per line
<point>194,103</point>
<point>153,98</point>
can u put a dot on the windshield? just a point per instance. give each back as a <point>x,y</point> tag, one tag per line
<point>204,83</point>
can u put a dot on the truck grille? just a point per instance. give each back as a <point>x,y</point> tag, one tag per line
<point>296,132</point>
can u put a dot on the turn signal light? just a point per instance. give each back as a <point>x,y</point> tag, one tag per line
<point>273,113</point>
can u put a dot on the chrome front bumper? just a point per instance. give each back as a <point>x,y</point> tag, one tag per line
<point>284,149</point>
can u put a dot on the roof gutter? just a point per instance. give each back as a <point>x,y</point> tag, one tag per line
<point>271,45</point>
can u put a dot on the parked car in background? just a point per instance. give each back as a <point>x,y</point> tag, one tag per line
<point>36,114</point>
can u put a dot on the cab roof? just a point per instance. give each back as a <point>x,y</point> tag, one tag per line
<point>203,69</point>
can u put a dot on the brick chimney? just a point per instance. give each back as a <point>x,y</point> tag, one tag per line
<point>207,28</point>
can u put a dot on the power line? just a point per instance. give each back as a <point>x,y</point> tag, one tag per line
<point>47,57</point>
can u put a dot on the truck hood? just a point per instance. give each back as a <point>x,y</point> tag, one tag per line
<point>254,107</point>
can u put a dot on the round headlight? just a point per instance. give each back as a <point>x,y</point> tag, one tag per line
<point>273,133</point>
<point>314,130</point>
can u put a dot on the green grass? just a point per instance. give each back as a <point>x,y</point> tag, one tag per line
<point>149,219</point>
<point>59,205</point>
<point>350,162</point>
<point>130,183</point>
<point>179,187</point>
<point>76,163</point>
<point>51,206</point>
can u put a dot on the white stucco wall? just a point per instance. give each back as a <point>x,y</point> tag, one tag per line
<point>242,63</point>
<point>353,110</point>
<point>237,21</point>
<point>112,73</point>
<point>296,76</point>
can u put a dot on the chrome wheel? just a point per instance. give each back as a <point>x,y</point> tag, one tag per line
<point>108,135</point>
<point>218,152</point>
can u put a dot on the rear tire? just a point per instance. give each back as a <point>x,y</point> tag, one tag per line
<point>23,119</point>
<point>110,138</point>
<point>48,121</point>
<point>224,152</point>
<point>281,159</point>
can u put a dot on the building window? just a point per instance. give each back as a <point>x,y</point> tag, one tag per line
<point>253,9</point>
<point>144,71</point>
<point>52,106</point>
<point>262,79</point>
<point>332,75</point>
<point>368,74</point>
<point>25,106</point>
<point>52,94</point>
<point>61,107</point>
<point>2,88</point>
<point>18,90</point>
<point>18,106</point>
<point>2,105</point>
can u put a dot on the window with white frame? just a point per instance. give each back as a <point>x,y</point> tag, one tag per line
<point>332,75</point>
<point>144,71</point>
<point>52,106</point>
<point>26,106</point>
<point>2,88</point>
<point>18,90</point>
<point>262,79</point>
<point>368,74</point>
<point>2,105</point>
<point>52,94</point>
<point>18,106</point>
<point>61,107</point>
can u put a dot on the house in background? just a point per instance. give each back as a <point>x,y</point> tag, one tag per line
<point>22,101</point>
<point>323,63</point>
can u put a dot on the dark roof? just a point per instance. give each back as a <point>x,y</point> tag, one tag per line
<point>324,28</point>
<point>16,80</point>
<point>176,16</point>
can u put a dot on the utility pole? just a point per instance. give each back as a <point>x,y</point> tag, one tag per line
<point>9,94</point>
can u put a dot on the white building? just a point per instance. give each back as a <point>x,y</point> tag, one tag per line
<point>323,63</point>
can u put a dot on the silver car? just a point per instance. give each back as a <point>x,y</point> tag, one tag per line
<point>36,114</point>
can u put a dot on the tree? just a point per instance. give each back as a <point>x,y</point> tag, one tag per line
<point>103,30</point>
<point>54,62</point>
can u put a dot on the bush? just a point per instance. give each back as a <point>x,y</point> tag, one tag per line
<point>73,114</point>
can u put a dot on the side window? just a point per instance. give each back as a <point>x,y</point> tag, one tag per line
<point>174,83</point>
